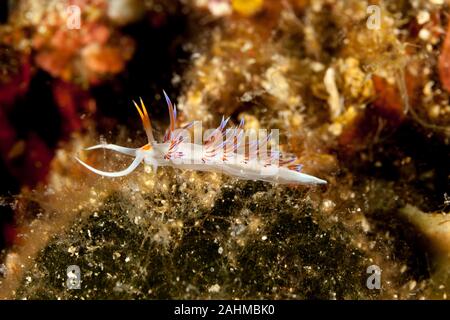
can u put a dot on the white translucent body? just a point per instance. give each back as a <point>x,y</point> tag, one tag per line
<point>193,156</point>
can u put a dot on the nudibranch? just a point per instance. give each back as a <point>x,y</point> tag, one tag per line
<point>224,151</point>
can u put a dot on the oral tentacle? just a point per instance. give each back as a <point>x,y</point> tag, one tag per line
<point>123,150</point>
<point>115,174</point>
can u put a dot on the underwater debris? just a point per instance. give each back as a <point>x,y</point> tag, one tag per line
<point>334,100</point>
<point>444,61</point>
<point>247,7</point>
<point>435,229</point>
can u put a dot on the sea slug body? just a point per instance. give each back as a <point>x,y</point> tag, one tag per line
<point>224,150</point>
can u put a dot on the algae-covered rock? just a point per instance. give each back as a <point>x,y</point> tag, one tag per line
<point>254,241</point>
